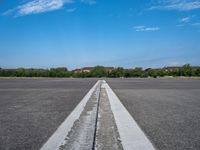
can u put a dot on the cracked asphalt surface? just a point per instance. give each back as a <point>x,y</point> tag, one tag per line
<point>32,109</point>
<point>167,110</point>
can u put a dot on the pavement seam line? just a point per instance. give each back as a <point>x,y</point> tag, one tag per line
<point>58,137</point>
<point>131,135</point>
<point>96,122</point>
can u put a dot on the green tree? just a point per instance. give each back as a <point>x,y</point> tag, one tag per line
<point>99,71</point>
<point>137,72</point>
<point>118,72</point>
<point>153,73</point>
<point>197,72</point>
<point>186,70</point>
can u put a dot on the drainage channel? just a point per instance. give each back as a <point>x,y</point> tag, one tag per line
<point>96,122</point>
<point>107,136</point>
<point>95,129</point>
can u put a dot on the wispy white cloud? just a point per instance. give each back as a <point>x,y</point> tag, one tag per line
<point>8,12</point>
<point>145,29</point>
<point>40,6</point>
<point>37,6</point>
<point>181,5</point>
<point>185,20</point>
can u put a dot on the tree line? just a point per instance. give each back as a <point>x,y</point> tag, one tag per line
<point>101,71</point>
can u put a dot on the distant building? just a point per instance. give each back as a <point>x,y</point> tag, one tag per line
<point>89,69</point>
<point>85,69</point>
<point>172,68</point>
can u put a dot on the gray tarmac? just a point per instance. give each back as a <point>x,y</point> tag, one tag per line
<point>32,109</point>
<point>167,110</point>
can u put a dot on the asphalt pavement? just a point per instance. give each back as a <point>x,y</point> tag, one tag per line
<point>32,109</point>
<point>167,110</point>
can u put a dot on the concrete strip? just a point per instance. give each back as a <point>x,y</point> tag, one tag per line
<point>82,134</point>
<point>57,139</point>
<point>132,137</point>
<point>107,136</point>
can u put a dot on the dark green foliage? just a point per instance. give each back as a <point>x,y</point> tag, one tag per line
<point>186,70</point>
<point>100,71</point>
<point>153,73</point>
<point>197,72</point>
<point>116,73</point>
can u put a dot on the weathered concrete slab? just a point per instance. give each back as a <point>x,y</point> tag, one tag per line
<point>132,137</point>
<point>107,137</point>
<point>82,134</point>
<point>58,137</point>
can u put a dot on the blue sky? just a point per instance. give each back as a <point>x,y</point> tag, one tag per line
<point>77,33</point>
